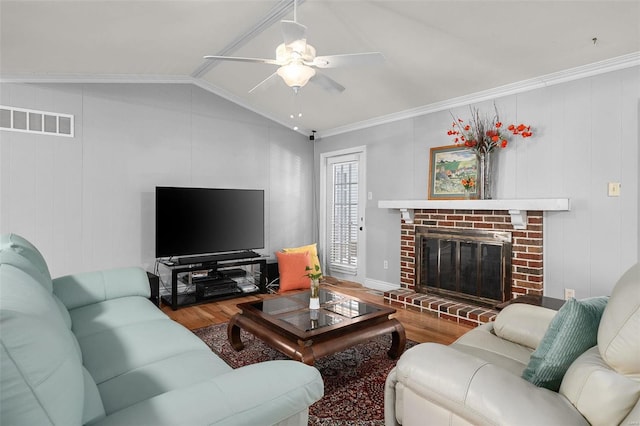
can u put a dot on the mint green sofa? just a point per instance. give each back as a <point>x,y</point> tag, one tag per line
<point>92,349</point>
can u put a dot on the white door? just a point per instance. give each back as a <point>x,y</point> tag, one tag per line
<point>343,219</point>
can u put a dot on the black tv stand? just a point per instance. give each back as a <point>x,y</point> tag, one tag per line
<point>216,283</point>
<point>217,257</point>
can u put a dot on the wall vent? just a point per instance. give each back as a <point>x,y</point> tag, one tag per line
<point>34,121</point>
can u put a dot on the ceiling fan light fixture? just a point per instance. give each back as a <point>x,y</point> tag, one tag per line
<point>298,49</point>
<point>295,74</point>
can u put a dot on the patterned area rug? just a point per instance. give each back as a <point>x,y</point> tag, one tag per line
<point>353,379</point>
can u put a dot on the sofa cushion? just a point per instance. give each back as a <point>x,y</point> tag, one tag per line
<point>21,292</point>
<point>481,342</point>
<point>523,324</point>
<point>114,313</point>
<point>620,326</point>
<point>116,351</point>
<point>16,251</point>
<point>257,394</point>
<point>465,389</point>
<point>94,287</point>
<point>572,331</point>
<point>148,381</point>
<point>41,381</point>
<point>40,356</point>
<point>603,396</point>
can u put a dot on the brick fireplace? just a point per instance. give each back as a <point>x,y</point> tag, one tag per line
<point>526,259</point>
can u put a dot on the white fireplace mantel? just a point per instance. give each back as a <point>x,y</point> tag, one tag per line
<point>517,208</point>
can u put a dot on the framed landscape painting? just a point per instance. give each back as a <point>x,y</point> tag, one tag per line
<point>448,167</point>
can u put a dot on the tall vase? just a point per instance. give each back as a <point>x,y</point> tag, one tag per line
<point>314,299</point>
<point>484,163</point>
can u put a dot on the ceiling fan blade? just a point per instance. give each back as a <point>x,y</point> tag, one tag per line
<point>348,60</point>
<point>292,31</point>
<point>266,83</point>
<point>327,83</point>
<point>240,59</point>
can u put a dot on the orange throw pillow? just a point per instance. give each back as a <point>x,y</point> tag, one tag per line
<point>313,253</point>
<point>293,270</point>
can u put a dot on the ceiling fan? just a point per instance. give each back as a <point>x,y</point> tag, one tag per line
<point>297,61</point>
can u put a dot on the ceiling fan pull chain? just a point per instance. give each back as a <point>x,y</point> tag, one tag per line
<point>296,105</point>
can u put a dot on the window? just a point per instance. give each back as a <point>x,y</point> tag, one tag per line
<point>344,222</point>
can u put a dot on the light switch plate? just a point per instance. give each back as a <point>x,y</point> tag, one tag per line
<point>614,189</point>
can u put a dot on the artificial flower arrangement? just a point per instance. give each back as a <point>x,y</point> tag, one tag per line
<point>314,274</point>
<point>483,134</point>
<point>468,183</point>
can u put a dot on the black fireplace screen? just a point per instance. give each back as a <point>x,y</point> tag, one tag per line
<point>467,264</point>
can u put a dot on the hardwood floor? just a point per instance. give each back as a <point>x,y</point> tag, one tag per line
<point>420,327</point>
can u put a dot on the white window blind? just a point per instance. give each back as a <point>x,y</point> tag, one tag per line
<point>344,223</point>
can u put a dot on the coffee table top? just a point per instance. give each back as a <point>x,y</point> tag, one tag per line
<point>292,313</point>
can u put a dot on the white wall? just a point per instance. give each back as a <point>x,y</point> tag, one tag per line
<point>88,202</point>
<point>586,135</point>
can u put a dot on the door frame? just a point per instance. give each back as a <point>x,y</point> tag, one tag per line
<point>362,199</point>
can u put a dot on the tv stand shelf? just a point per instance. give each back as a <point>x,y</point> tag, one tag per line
<point>174,271</point>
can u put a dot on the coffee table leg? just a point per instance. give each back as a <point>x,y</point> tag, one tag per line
<point>398,340</point>
<point>233,334</point>
<point>307,356</point>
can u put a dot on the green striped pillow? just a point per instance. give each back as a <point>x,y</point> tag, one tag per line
<point>572,331</point>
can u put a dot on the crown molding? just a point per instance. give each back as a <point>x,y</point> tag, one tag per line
<point>94,78</point>
<point>589,70</point>
<point>143,79</point>
<point>601,67</point>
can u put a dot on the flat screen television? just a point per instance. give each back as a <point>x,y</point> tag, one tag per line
<point>200,221</point>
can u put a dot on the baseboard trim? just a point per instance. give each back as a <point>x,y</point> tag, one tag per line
<point>380,285</point>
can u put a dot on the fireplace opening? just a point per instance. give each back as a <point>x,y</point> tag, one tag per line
<point>471,265</point>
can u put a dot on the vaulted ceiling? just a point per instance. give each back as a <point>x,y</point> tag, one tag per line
<point>435,50</point>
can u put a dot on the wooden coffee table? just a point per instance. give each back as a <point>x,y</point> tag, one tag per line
<point>288,325</point>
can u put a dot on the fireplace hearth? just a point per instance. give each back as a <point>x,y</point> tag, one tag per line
<point>464,264</point>
<point>520,270</point>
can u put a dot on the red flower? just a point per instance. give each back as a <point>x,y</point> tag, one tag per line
<point>484,134</point>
